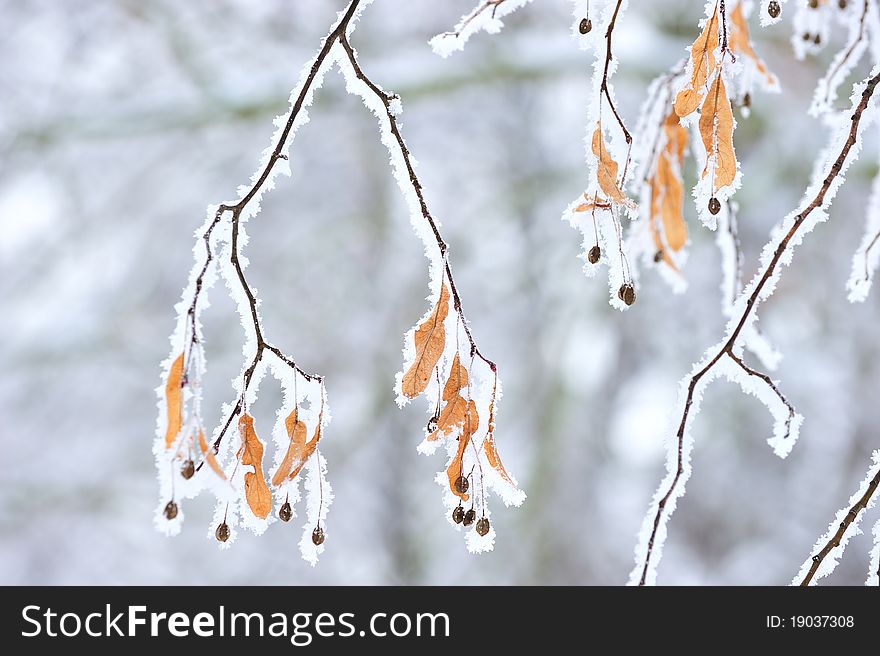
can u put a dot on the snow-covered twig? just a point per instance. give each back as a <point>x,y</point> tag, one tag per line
<point>830,546</point>
<point>486,16</point>
<point>843,64</point>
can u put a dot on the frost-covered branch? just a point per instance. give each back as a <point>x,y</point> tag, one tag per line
<point>237,478</point>
<point>609,56</point>
<point>777,252</point>
<point>701,93</point>
<point>463,414</point>
<point>844,62</point>
<point>486,16</point>
<point>770,387</point>
<point>829,548</point>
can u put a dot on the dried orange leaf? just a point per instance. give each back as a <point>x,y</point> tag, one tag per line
<point>607,171</point>
<point>672,205</point>
<point>209,456</point>
<point>471,422</point>
<point>593,203</point>
<point>256,491</point>
<point>457,381</point>
<point>296,431</point>
<point>676,136</point>
<point>702,63</point>
<point>174,400</point>
<point>741,42</point>
<point>493,457</point>
<point>716,130</point>
<point>307,452</point>
<point>489,443</point>
<point>656,196</point>
<point>430,340</point>
<point>451,417</point>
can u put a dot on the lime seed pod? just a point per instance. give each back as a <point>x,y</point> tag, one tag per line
<point>483,526</point>
<point>627,293</point>
<point>285,513</point>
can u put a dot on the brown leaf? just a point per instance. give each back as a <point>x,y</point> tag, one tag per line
<point>457,381</point>
<point>297,432</point>
<point>493,457</point>
<point>469,427</point>
<point>174,401</point>
<point>489,443</point>
<point>256,491</point>
<point>307,452</point>
<point>656,204</point>
<point>703,62</point>
<point>450,418</point>
<point>430,340</point>
<point>209,456</point>
<point>741,42</point>
<point>607,171</point>
<point>716,130</point>
<point>672,206</point>
<point>593,203</point>
<point>676,137</point>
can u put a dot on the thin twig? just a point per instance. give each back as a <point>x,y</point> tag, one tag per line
<point>773,387</point>
<point>849,52</point>
<point>867,251</point>
<point>603,89</point>
<point>493,4</point>
<point>834,542</point>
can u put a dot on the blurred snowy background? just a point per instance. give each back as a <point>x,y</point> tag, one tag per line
<point>120,121</point>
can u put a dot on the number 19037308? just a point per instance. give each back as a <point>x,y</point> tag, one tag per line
<point>811,622</point>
